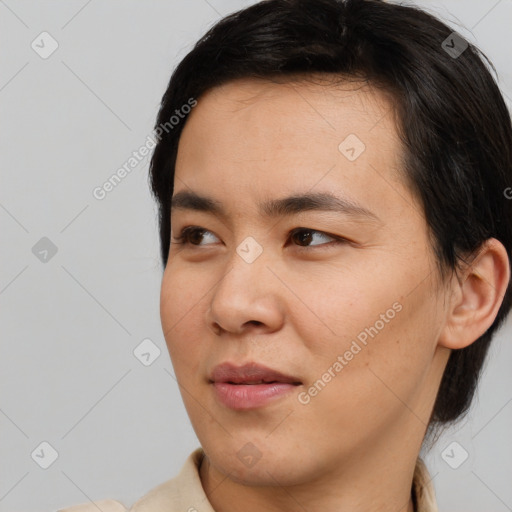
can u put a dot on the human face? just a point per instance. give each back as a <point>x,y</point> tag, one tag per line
<point>247,290</point>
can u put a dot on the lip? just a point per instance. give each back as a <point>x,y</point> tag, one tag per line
<point>250,386</point>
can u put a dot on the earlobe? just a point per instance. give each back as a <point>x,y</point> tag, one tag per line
<point>476,296</point>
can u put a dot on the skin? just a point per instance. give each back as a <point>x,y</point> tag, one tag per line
<point>299,306</point>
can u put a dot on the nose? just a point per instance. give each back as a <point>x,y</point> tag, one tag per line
<point>247,297</point>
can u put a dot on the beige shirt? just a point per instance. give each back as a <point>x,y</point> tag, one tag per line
<point>185,493</point>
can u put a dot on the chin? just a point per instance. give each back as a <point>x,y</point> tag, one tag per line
<point>258,463</point>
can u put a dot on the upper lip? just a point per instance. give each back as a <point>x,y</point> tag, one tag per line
<point>249,373</point>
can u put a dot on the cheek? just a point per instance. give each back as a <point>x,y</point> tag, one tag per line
<point>336,305</point>
<point>377,329</point>
<point>394,352</point>
<point>182,301</point>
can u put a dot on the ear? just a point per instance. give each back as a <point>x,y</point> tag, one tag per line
<point>477,294</point>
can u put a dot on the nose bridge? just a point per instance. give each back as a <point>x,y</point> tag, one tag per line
<point>244,292</point>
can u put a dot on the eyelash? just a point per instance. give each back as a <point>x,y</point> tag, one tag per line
<point>184,240</point>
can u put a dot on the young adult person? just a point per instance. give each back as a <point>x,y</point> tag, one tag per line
<point>336,243</point>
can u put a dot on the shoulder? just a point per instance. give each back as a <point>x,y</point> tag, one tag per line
<point>178,493</point>
<point>182,493</point>
<point>103,505</point>
<point>423,489</point>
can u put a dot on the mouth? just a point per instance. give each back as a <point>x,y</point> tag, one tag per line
<point>250,386</point>
<point>250,374</point>
<point>252,382</point>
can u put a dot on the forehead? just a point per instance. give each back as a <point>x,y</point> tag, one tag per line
<point>245,92</point>
<point>271,116</point>
<point>271,138</point>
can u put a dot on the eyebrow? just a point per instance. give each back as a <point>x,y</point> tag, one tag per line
<point>272,208</point>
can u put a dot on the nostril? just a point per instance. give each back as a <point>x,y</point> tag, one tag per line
<point>217,329</point>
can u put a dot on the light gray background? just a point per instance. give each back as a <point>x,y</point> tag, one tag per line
<point>69,326</point>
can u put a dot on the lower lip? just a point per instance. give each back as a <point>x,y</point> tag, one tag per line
<point>250,396</point>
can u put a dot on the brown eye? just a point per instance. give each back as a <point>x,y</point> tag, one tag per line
<point>195,236</point>
<point>191,235</point>
<point>304,237</point>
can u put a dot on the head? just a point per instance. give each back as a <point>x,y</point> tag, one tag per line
<point>384,311</point>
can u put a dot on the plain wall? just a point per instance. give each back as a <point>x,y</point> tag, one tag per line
<point>70,324</point>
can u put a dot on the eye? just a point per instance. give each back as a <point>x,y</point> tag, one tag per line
<point>192,236</point>
<point>306,235</point>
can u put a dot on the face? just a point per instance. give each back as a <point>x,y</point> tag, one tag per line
<point>303,337</point>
